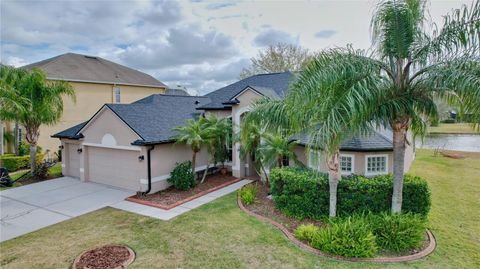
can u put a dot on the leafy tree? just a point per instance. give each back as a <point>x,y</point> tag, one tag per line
<point>193,134</point>
<point>30,99</point>
<point>277,58</point>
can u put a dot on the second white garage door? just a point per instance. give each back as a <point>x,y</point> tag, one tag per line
<point>114,167</point>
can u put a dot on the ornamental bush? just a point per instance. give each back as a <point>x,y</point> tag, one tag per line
<point>14,163</point>
<point>349,237</point>
<point>182,177</point>
<point>397,232</point>
<point>248,194</point>
<point>304,193</point>
<point>306,232</point>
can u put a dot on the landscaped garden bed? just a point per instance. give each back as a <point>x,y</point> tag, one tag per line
<point>172,197</point>
<point>106,257</point>
<point>355,235</point>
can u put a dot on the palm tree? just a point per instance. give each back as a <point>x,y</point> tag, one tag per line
<point>194,135</point>
<point>410,67</point>
<point>32,100</point>
<point>216,132</point>
<point>250,136</point>
<point>274,148</point>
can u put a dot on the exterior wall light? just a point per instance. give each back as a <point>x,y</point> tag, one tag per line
<point>79,150</point>
<point>61,147</point>
<point>141,158</point>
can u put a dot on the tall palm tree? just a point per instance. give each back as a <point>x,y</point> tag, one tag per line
<point>410,67</point>
<point>194,135</point>
<point>32,101</point>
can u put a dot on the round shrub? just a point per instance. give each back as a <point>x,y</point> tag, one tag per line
<point>398,232</point>
<point>182,177</point>
<point>350,237</point>
<point>248,194</point>
<point>306,232</point>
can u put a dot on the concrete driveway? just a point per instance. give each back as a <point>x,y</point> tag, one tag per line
<point>35,206</point>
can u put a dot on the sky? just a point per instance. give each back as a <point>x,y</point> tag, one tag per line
<point>201,45</point>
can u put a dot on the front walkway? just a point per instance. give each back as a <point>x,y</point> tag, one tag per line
<point>29,208</point>
<point>171,213</point>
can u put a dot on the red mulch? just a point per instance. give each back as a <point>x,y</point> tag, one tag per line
<point>106,257</point>
<point>171,195</point>
<point>265,207</point>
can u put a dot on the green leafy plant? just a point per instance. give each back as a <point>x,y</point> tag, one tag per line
<point>306,232</point>
<point>182,177</point>
<point>397,232</point>
<point>350,237</point>
<point>303,193</point>
<point>14,163</point>
<point>248,194</point>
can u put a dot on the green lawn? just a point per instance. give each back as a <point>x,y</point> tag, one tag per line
<point>219,235</point>
<point>452,128</point>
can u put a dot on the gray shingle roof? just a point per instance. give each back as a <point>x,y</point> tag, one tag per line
<point>275,83</point>
<point>374,141</point>
<point>71,133</point>
<point>77,67</point>
<point>152,117</point>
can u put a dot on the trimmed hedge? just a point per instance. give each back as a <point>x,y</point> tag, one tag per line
<point>14,163</point>
<point>303,193</point>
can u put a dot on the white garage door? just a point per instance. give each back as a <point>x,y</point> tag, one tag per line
<point>73,160</point>
<point>114,167</point>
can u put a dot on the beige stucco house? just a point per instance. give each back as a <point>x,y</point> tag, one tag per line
<point>96,81</point>
<point>131,146</point>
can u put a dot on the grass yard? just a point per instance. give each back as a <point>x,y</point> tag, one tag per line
<point>452,128</point>
<point>219,235</point>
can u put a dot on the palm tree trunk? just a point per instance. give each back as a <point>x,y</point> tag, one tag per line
<point>334,176</point>
<point>33,158</point>
<point>194,160</point>
<point>16,140</point>
<point>399,139</point>
<point>205,173</point>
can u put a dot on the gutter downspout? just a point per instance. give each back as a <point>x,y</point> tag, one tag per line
<point>149,171</point>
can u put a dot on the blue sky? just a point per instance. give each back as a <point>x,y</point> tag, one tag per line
<point>202,45</point>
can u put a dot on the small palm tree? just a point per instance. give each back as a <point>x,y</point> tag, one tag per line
<point>274,148</point>
<point>32,100</point>
<point>250,136</point>
<point>193,134</point>
<point>217,132</point>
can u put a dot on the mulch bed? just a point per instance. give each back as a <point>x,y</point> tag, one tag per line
<point>106,257</point>
<point>264,209</point>
<point>264,206</point>
<point>171,197</point>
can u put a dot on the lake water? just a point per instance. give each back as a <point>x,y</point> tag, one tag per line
<point>461,142</point>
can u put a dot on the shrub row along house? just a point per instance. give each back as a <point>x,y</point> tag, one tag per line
<point>131,145</point>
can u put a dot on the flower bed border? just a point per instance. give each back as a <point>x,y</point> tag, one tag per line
<point>423,253</point>
<point>126,263</point>
<point>134,198</point>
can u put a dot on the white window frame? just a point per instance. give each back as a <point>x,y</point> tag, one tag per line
<point>352,161</point>
<point>376,173</point>
<point>310,161</point>
<point>115,89</point>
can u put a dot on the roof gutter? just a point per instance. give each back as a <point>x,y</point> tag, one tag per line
<point>149,170</point>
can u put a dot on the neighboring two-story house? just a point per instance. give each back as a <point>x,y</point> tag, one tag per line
<point>96,81</point>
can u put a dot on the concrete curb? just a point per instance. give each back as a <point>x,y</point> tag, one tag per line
<point>423,253</point>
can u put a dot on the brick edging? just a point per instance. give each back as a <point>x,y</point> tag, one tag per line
<point>423,253</point>
<point>123,265</point>
<point>134,199</point>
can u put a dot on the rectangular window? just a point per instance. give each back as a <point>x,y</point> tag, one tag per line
<point>117,95</point>
<point>376,164</point>
<point>346,163</point>
<point>314,159</point>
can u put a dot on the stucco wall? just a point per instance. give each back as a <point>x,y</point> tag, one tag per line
<point>359,159</point>
<point>89,98</point>
<point>219,113</point>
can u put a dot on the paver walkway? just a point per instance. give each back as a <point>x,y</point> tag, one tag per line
<point>176,211</point>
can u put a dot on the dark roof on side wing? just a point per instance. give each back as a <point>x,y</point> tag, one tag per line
<point>277,83</point>
<point>71,133</point>
<point>373,141</point>
<point>84,68</point>
<point>152,117</point>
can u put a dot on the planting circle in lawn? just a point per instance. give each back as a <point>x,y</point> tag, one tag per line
<point>105,257</point>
